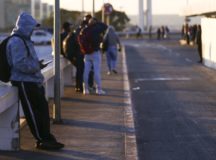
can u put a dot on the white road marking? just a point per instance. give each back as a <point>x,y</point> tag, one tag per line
<point>136,88</point>
<point>163,79</point>
<point>188,60</point>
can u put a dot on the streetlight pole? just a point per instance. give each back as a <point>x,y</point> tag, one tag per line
<point>93,8</point>
<point>57,98</point>
<point>141,15</point>
<point>82,8</point>
<point>33,8</point>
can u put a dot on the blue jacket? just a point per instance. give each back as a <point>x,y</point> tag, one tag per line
<point>24,67</point>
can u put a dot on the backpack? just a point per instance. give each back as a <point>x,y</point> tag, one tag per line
<point>5,69</point>
<point>85,40</point>
<point>70,47</point>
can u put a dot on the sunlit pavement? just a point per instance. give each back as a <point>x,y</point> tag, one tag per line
<point>94,127</point>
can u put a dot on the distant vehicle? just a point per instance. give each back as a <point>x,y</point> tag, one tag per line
<point>41,37</point>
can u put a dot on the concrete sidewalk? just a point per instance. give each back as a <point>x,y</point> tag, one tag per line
<point>94,127</point>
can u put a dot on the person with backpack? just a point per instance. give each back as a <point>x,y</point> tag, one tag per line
<point>113,45</point>
<point>89,40</point>
<point>72,52</point>
<point>65,31</point>
<point>27,77</point>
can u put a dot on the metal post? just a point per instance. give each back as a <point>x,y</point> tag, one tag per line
<point>33,8</point>
<point>149,13</point>
<point>41,11</point>
<point>57,98</point>
<point>93,8</point>
<point>82,8</point>
<point>108,20</point>
<point>103,15</point>
<point>141,15</point>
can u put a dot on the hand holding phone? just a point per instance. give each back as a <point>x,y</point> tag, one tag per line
<point>44,64</point>
<point>47,62</point>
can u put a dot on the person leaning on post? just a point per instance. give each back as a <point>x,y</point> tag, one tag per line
<point>27,77</point>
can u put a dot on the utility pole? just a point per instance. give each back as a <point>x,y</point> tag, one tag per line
<point>149,13</point>
<point>82,8</point>
<point>33,8</point>
<point>57,95</point>
<point>141,15</point>
<point>93,8</point>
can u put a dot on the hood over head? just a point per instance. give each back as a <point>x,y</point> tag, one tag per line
<point>25,24</point>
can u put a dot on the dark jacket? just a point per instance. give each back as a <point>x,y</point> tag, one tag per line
<point>98,30</point>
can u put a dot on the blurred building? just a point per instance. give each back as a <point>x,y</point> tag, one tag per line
<point>9,9</point>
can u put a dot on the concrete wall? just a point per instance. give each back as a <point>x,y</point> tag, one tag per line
<point>209,41</point>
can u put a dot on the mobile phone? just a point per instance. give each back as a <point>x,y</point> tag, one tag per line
<point>47,62</point>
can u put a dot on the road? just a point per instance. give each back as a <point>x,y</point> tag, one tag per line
<point>174,101</point>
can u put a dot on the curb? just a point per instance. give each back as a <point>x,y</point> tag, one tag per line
<point>130,134</point>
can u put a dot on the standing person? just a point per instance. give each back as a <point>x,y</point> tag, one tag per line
<point>167,32</point>
<point>162,32</point>
<point>65,31</point>
<point>158,33</point>
<point>71,47</point>
<point>139,31</point>
<point>91,73</point>
<point>27,77</point>
<point>150,32</point>
<point>111,40</point>
<point>92,58</point>
<point>199,42</point>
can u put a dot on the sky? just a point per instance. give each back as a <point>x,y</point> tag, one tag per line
<point>129,6</point>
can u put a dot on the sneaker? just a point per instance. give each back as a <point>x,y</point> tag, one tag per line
<point>108,73</point>
<point>100,92</point>
<point>114,71</point>
<point>49,145</point>
<point>78,90</point>
<point>85,91</point>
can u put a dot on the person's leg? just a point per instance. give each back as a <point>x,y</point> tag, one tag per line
<point>80,71</point>
<point>87,68</point>
<point>108,58</point>
<point>77,79</point>
<point>114,59</point>
<point>200,52</point>
<point>97,72</point>
<point>91,78</point>
<point>35,107</point>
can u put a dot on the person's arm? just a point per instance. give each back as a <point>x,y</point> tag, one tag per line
<point>20,58</point>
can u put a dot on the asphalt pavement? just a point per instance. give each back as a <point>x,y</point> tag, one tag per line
<point>174,100</point>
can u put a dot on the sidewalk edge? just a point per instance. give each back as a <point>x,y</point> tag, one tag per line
<point>130,134</point>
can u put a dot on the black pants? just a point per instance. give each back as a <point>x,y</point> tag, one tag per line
<point>36,110</point>
<point>200,52</point>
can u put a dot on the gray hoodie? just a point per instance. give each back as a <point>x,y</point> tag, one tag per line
<point>24,67</point>
<point>112,37</point>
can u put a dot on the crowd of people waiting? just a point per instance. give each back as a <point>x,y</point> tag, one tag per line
<point>192,35</point>
<point>83,47</point>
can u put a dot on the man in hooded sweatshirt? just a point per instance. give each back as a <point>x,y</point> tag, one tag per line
<point>27,77</point>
